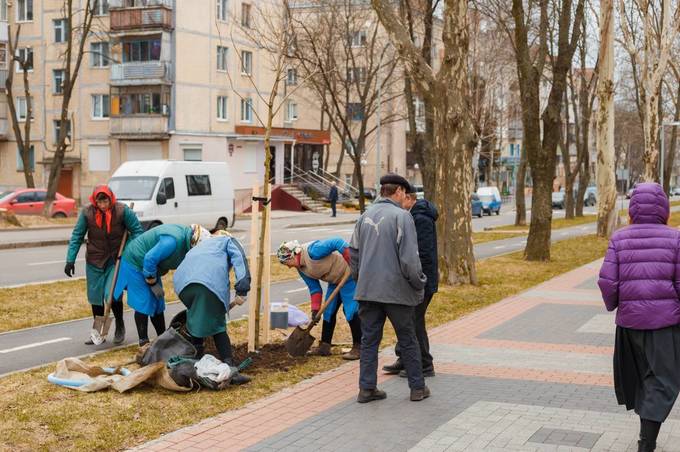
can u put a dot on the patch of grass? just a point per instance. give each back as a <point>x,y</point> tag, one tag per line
<point>483,237</point>
<point>32,221</point>
<point>557,223</point>
<point>40,304</point>
<point>38,415</point>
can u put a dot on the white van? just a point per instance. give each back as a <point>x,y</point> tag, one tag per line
<point>491,200</point>
<point>177,192</point>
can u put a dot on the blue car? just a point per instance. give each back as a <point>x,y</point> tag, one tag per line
<point>476,203</point>
<point>491,200</point>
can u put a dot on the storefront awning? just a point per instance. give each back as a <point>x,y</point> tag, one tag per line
<point>302,136</point>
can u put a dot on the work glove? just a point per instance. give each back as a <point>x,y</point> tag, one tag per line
<point>70,269</point>
<point>151,280</point>
<point>315,312</point>
<point>239,300</point>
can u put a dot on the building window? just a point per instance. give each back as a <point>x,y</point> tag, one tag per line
<point>3,10</point>
<point>57,128</point>
<point>246,62</point>
<point>355,111</point>
<point>356,74</point>
<point>100,106</point>
<point>198,185</point>
<point>222,109</point>
<point>247,110</point>
<point>142,103</point>
<point>222,11</point>
<point>193,155</point>
<point>31,160</point>
<point>358,39</point>
<point>22,108</point>
<point>24,10</point>
<point>348,179</point>
<point>99,157</point>
<point>60,30</point>
<point>140,51</point>
<point>101,7</point>
<point>3,55</point>
<point>99,54</point>
<point>291,111</point>
<point>222,60</point>
<point>25,55</point>
<point>58,81</point>
<point>245,15</point>
<point>291,77</point>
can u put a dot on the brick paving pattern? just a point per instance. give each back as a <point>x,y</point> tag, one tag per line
<point>530,373</point>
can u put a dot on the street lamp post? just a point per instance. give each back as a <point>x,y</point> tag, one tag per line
<point>663,141</point>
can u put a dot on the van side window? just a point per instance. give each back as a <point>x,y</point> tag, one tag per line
<point>198,185</point>
<point>168,188</point>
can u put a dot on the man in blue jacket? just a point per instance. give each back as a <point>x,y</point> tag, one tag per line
<point>424,216</point>
<point>327,261</point>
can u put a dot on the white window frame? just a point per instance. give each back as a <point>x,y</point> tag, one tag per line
<point>55,125</point>
<point>246,62</point>
<point>291,77</point>
<point>198,148</point>
<point>25,11</point>
<point>98,58</point>
<point>99,9</point>
<point>247,110</point>
<point>359,39</point>
<point>223,108</point>
<point>23,106</point>
<point>3,11</point>
<point>222,59</point>
<point>100,100</point>
<point>3,55</point>
<point>58,88</point>
<point>291,111</point>
<point>246,19</point>
<point>222,10</point>
<point>60,26</point>
<point>24,50</point>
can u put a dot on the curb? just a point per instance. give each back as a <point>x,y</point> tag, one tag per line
<point>36,244</point>
<point>312,225</point>
<point>38,228</point>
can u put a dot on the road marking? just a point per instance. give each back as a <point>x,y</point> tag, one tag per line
<point>563,233</point>
<point>345,230</point>
<point>33,264</point>
<point>523,242</point>
<point>296,290</point>
<point>499,247</point>
<point>35,344</point>
<point>585,228</point>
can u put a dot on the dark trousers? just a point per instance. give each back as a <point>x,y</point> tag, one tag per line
<point>116,308</point>
<point>142,323</point>
<point>222,344</point>
<point>328,328</point>
<point>421,333</point>
<point>334,207</point>
<point>373,315</point>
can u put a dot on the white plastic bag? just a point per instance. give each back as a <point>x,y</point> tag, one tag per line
<point>214,369</point>
<point>296,316</point>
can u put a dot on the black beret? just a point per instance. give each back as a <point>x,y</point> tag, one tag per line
<point>395,179</point>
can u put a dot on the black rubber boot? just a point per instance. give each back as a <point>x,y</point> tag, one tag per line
<point>649,431</point>
<point>394,368</point>
<point>119,336</point>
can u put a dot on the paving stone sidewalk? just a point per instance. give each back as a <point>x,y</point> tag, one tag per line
<point>531,373</point>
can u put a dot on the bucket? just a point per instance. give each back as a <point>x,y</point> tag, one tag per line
<point>278,316</point>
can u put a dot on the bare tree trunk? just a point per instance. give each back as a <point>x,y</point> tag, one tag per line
<point>669,160</point>
<point>566,163</point>
<point>520,182</point>
<point>606,181</point>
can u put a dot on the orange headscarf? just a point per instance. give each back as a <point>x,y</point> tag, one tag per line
<point>99,215</point>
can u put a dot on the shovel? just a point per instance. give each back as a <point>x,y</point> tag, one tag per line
<point>301,339</point>
<point>102,324</point>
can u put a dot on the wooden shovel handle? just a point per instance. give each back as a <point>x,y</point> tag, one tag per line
<point>107,307</point>
<point>328,301</point>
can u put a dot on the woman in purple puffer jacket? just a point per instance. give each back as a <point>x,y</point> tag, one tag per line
<point>640,278</point>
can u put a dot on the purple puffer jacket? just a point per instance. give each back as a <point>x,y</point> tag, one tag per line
<point>641,271</point>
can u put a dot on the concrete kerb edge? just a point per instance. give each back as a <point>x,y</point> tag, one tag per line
<point>313,225</point>
<point>34,244</point>
<point>38,228</point>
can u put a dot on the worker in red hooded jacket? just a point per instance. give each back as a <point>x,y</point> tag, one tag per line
<point>104,221</point>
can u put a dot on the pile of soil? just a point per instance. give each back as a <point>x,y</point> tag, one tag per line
<point>271,357</point>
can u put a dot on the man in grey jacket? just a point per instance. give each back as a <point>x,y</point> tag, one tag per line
<point>390,282</point>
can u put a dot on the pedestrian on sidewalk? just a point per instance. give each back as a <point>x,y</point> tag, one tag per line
<point>640,278</point>
<point>425,216</point>
<point>202,284</point>
<point>333,198</point>
<point>145,260</point>
<point>104,221</point>
<point>328,261</point>
<point>390,283</point>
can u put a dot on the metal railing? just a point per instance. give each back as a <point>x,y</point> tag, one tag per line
<point>316,181</point>
<point>151,15</point>
<point>140,70</point>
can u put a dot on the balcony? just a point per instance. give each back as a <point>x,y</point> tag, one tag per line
<point>140,127</point>
<point>141,73</point>
<point>154,15</point>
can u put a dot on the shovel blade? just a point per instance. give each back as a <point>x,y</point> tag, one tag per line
<point>100,329</point>
<point>299,342</point>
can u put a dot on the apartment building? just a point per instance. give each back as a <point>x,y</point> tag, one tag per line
<point>162,79</point>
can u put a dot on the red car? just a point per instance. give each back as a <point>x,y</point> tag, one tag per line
<point>30,201</point>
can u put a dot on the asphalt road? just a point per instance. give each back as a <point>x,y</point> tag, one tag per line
<point>41,264</point>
